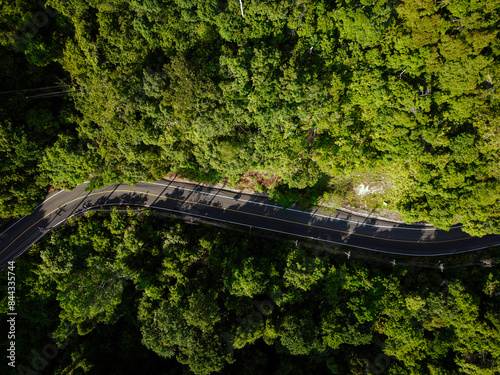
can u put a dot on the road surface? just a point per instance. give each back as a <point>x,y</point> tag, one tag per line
<point>243,209</point>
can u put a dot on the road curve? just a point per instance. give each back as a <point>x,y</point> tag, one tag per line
<point>243,209</point>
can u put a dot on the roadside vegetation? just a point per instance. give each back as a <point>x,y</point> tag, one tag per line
<point>132,293</point>
<point>316,96</point>
<point>372,103</point>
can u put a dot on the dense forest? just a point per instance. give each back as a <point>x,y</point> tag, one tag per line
<point>316,96</point>
<point>133,293</point>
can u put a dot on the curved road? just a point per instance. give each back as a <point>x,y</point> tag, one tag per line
<point>243,209</point>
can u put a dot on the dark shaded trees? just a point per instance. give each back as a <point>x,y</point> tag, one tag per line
<point>207,300</point>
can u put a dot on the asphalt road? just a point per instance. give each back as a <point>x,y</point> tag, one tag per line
<point>243,209</point>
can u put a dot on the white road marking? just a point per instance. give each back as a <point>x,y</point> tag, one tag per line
<point>227,221</point>
<point>48,199</point>
<point>293,234</point>
<point>292,209</point>
<point>12,226</point>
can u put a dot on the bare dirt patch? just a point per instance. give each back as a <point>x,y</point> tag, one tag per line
<point>250,182</point>
<point>256,181</point>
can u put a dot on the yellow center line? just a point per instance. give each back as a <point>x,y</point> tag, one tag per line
<point>50,213</point>
<point>226,209</point>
